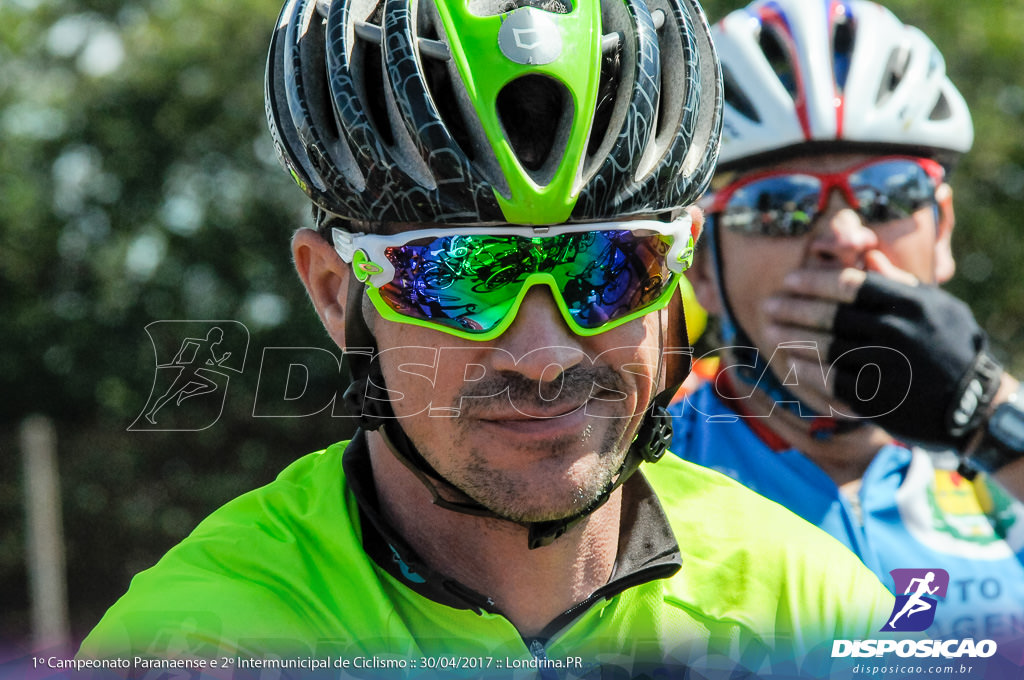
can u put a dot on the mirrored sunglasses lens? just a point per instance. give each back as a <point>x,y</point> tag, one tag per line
<point>606,275</point>
<point>891,190</point>
<point>459,282</point>
<point>470,283</point>
<point>774,206</point>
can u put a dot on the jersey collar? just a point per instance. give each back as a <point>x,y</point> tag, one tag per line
<point>647,549</point>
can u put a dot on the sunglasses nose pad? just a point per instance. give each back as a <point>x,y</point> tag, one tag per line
<point>541,307</point>
<point>831,200</point>
<point>841,196</point>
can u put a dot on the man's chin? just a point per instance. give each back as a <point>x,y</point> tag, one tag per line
<point>537,483</point>
<point>546,501</point>
<point>521,515</point>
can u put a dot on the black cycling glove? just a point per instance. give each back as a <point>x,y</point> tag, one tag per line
<point>914,360</point>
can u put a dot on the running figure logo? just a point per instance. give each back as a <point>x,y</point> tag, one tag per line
<point>921,589</point>
<point>194,362</point>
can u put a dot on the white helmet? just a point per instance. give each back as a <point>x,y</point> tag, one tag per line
<point>806,75</point>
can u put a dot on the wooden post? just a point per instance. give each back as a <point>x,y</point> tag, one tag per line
<point>44,533</point>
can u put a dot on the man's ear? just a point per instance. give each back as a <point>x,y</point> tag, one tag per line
<point>697,215</point>
<point>325,277</point>
<point>945,265</point>
<point>700,274</point>
<point>705,285</point>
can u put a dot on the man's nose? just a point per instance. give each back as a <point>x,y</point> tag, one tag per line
<point>841,238</point>
<point>539,344</point>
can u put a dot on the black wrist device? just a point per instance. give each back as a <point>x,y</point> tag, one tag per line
<point>1003,441</point>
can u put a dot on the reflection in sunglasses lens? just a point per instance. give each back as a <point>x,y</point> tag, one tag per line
<point>472,283</point>
<point>787,204</point>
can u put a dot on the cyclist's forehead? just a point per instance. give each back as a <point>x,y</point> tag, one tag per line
<point>392,228</point>
<point>820,163</point>
<point>395,228</point>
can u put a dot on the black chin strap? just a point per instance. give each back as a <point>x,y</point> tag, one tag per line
<point>367,399</point>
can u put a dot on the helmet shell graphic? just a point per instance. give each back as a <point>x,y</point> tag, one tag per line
<point>480,112</point>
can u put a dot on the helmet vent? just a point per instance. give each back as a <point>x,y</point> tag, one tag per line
<point>442,91</point>
<point>942,110</point>
<point>315,85</point>
<point>450,100</point>
<point>367,60</point>
<point>735,97</point>
<point>843,37</point>
<point>488,8</point>
<point>536,113</point>
<point>672,86</point>
<point>778,57</point>
<point>607,88</point>
<point>894,72</point>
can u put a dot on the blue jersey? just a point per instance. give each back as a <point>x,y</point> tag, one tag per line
<point>912,511</point>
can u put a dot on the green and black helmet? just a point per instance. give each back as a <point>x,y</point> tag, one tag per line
<point>476,112</point>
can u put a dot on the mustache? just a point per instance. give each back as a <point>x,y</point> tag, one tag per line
<point>569,390</point>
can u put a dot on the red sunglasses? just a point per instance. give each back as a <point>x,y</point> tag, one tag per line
<point>786,203</point>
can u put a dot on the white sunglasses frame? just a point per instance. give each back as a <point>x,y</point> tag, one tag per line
<point>365,252</point>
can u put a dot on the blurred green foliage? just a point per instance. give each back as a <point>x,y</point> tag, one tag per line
<point>138,183</point>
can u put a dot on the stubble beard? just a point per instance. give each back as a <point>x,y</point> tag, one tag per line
<point>545,494</point>
<point>574,472</point>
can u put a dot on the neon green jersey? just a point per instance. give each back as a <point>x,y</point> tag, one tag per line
<point>284,571</point>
